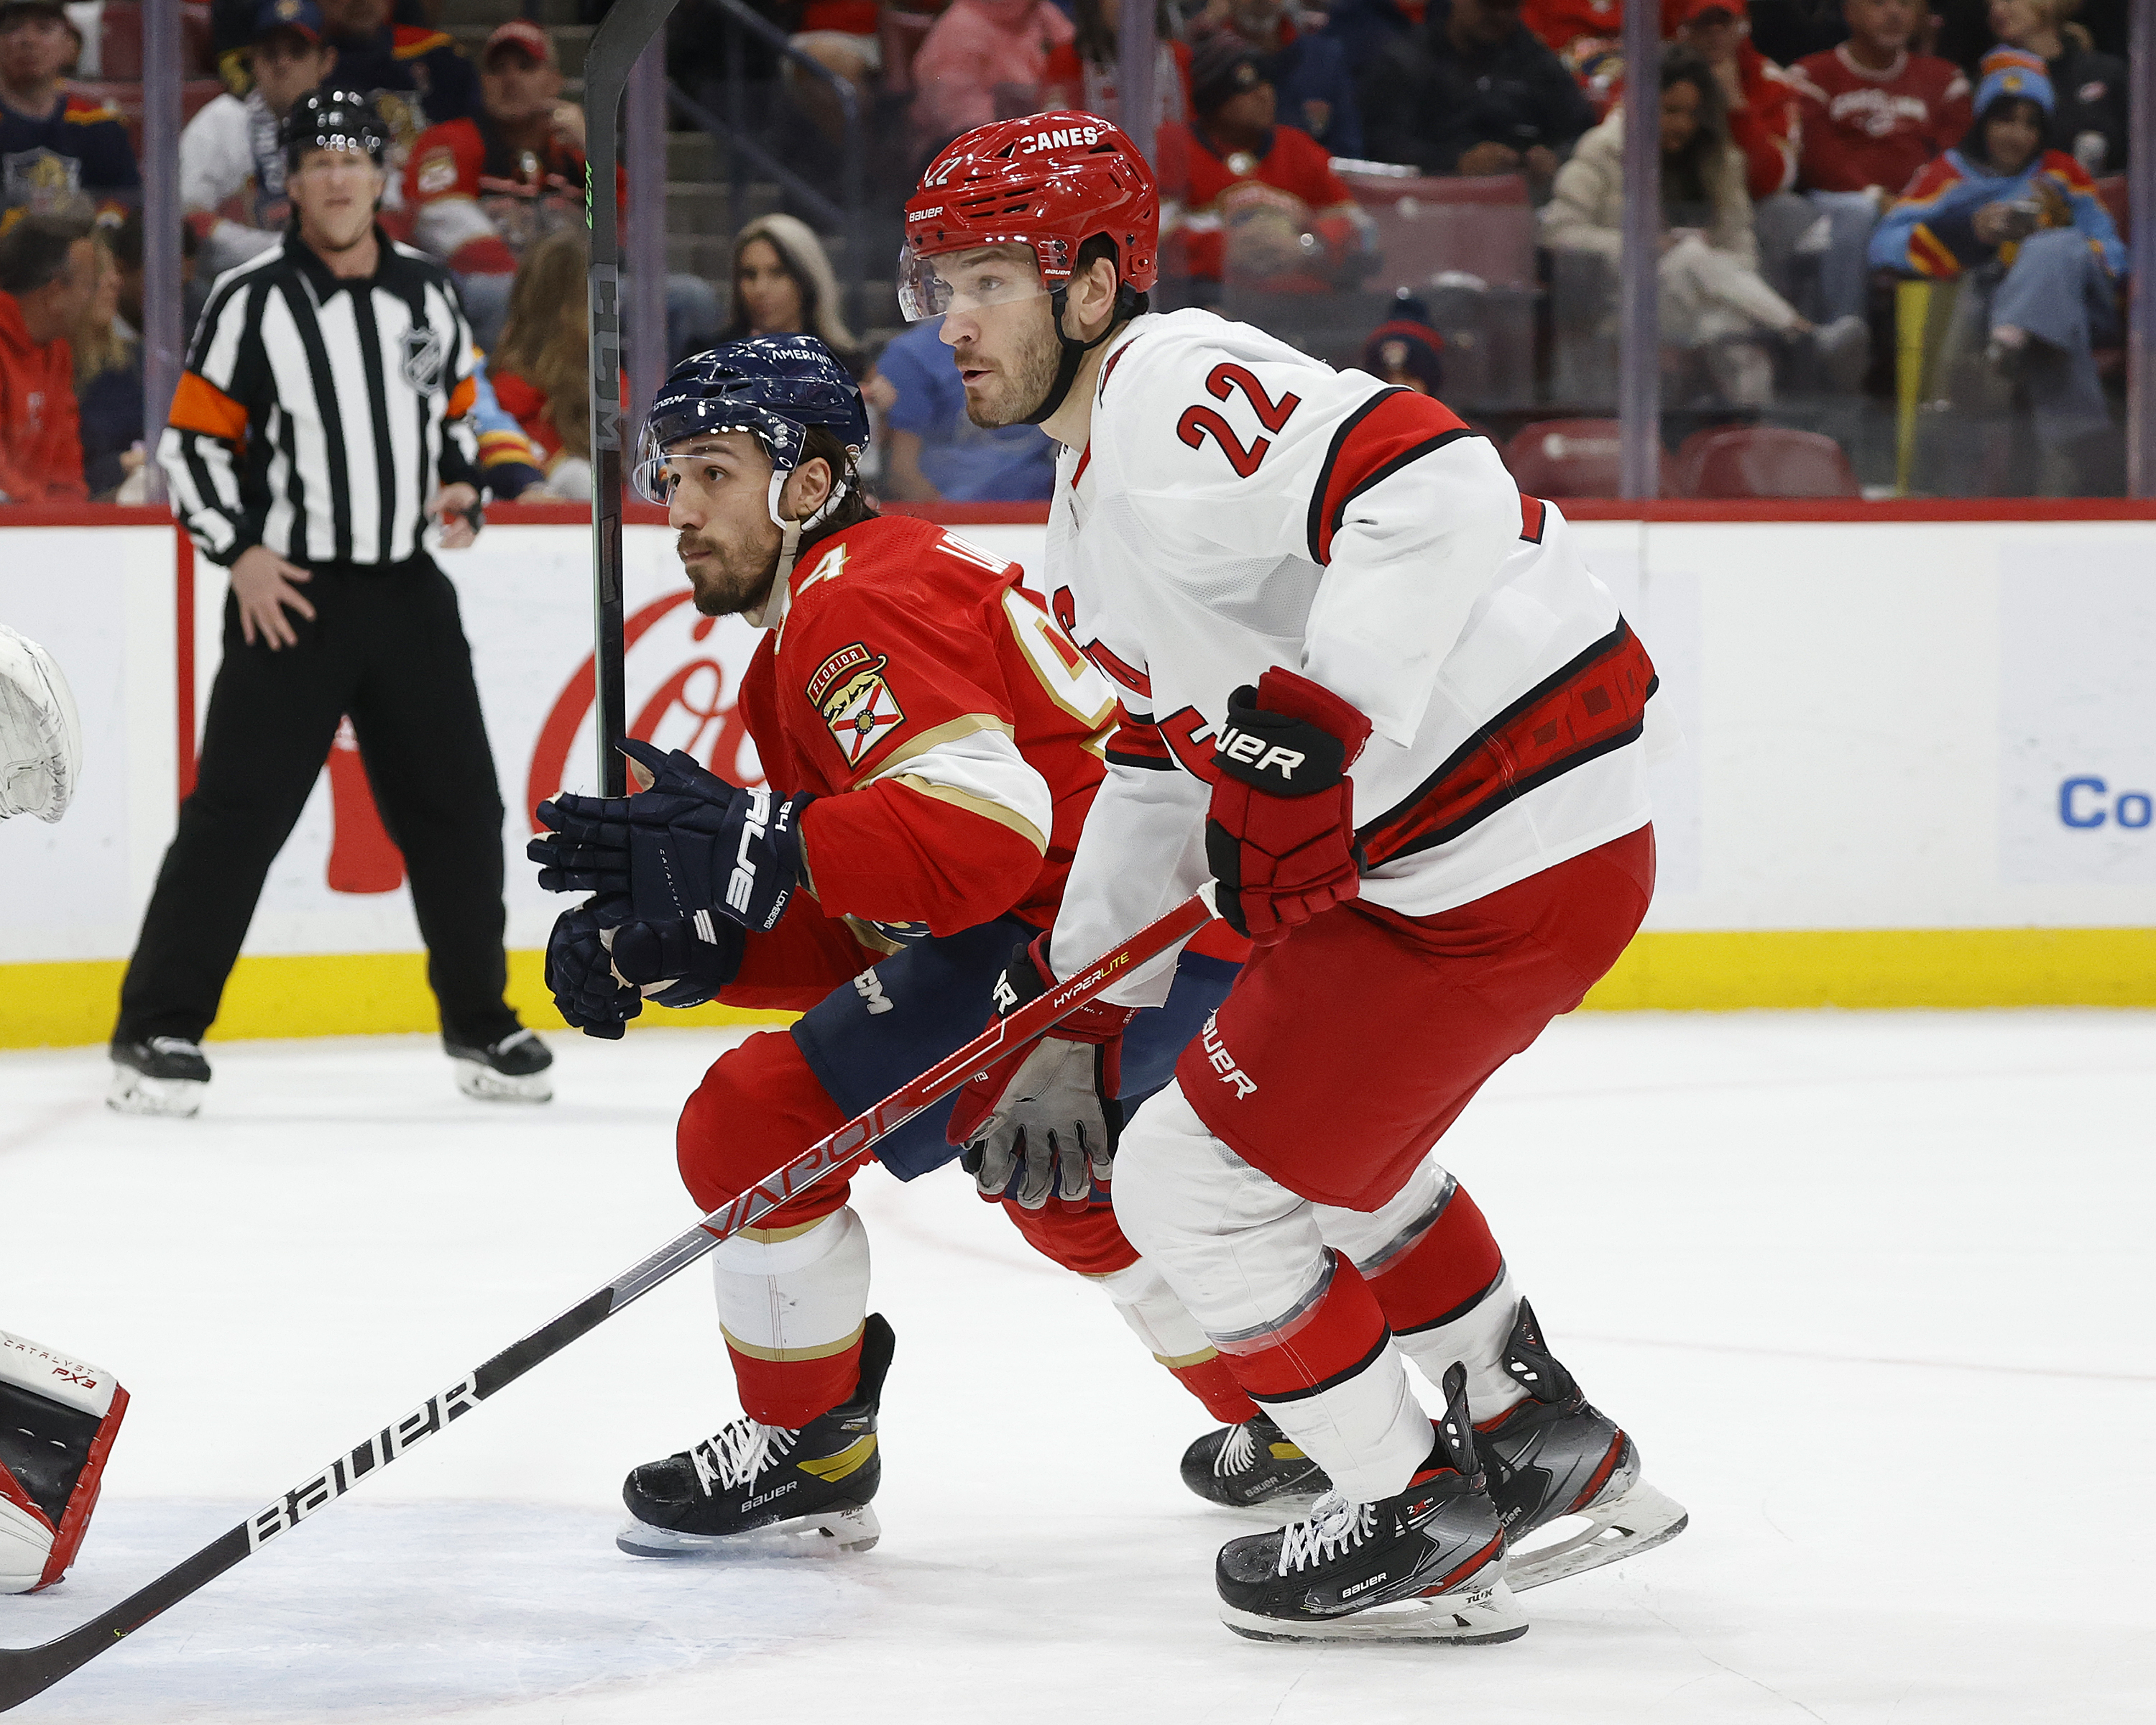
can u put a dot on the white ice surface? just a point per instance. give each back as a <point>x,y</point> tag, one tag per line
<point>1873,1291</point>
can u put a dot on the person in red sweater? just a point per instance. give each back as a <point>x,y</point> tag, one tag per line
<point>1871,114</point>
<point>1249,200</point>
<point>48,270</point>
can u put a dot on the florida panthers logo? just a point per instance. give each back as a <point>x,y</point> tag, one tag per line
<point>849,690</point>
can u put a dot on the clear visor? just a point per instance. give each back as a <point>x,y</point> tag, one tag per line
<point>654,474</point>
<point>965,280</point>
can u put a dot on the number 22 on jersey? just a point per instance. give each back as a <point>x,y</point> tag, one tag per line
<point>1200,421</point>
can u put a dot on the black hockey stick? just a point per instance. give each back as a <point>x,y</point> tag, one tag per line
<point>25,1671</point>
<point>620,39</point>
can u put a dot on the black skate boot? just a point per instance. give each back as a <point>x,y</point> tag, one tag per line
<point>513,1070</point>
<point>1556,1456</point>
<point>165,1075</point>
<point>1241,1467</point>
<point>1428,1565</point>
<point>794,1489</point>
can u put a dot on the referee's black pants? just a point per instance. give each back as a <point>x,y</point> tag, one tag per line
<point>385,646</point>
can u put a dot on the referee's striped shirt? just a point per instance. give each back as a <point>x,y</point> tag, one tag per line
<point>316,415</point>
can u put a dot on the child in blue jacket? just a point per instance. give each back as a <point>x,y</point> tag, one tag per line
<point>2021,226</point>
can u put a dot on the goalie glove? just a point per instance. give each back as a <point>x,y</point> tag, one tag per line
<point>691,842</point>
<point>1045,1119</point>
<point>58,1419</point>
<point>1280,836</point>
<point>40,734</point>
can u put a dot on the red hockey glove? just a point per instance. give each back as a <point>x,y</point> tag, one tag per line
<point>1045,1118</point>
<point>1280,836</point>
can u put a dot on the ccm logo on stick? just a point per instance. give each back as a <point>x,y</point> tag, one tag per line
<point>1246,746</point>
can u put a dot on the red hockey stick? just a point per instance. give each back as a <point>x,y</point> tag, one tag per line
<point>25,1671</point>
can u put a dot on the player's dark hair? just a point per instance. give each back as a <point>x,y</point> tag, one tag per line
<point>820,443</point>
<point>35,250</point>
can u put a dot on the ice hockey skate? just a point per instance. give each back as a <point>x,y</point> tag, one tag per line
<point>1565,1476</point>
<point>756,1490</point>
<point>1243,1466</point>
<point>165,1075</point>
<point>1427,1565</point>
<point>513,1070</point>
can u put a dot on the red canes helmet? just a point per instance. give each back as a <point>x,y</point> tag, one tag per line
<point>1050,181</point>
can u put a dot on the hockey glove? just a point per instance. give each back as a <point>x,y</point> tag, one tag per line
<point>1045,1119</point>
<point>58,1419</point>
<point>580,970</point>
<point>692,842</point>
<point>1281,834</point>
<point>683,963</point>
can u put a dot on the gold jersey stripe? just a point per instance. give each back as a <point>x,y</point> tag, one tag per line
<point>1181,1360</point>
<point>974,804</point>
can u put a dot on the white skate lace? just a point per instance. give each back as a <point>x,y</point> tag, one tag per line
<point>173,1044</point>
<point>738,1455</point>
<point>1237,1454</point>
<point>1335,1527</point>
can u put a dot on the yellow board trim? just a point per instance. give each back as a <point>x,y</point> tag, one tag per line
<point>370,993</point>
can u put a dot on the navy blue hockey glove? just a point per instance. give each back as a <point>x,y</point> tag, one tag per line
<point>692,842</point>
<point>695,958</point>
<point>580,971</point>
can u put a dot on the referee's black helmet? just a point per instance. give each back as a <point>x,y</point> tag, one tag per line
<point>335,120</point>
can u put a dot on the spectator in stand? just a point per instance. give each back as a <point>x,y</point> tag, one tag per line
<point>1787,31</point>
<point>983,60</point>
<point>1871,114</point>
<point>1263,206</point>
<point>1757,95</point>
<point>1366,28</point>
<point>107,383</point>
<point>1081,72</point>
<point>232,36</point>
<point>48,271</point>
<point>1307,70</point>
<point>2041,265</point>
<point>232,167</point>
<point>931,450</point>
<point>1403,349</point>
<point>60,153</point>
<point>782,286</point>
<point>541,369</point>
<point>1716,310</point>
<point>2088,116</point>
<point>1473,92</point>
<point>414,75</point>
<point>1589,37</point>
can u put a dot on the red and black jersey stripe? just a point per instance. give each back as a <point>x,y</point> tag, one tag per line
<point>1138,742</point>
<point>1596,704</point>
<point>1393,428</point>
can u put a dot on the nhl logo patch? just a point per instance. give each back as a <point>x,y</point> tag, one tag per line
<point>849,690</point>
<point>424,351</point>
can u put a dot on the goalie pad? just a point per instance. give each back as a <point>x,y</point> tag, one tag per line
<point>40,733</point>
<point>58,1417</point>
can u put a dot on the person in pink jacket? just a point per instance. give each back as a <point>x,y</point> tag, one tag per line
<point>983,60</point>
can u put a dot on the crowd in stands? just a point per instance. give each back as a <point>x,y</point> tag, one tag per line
<point>1813,153</point>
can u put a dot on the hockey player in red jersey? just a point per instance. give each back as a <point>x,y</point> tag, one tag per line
<point>932,740</point>
<point>1374,692</point>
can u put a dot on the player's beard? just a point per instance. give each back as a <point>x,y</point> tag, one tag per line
<point>1018,387</point>
<point>729,580</point>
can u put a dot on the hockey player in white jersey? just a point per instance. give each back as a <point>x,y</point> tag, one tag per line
<point>1375,693</point>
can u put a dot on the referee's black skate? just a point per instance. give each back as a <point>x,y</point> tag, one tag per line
<point>513,1070</point>
<point>162,1074</point>
<point>1427,1565</point>
<point>754,1488</point>
<point>1556,1456</point>
<point>1242,1466</point>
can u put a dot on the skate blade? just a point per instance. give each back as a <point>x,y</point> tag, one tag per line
<point>131,1092</point>
<point>481,1081</point>
<point>1473,1616</point>
<point>1632,1522</point>
<point>822,1535</point>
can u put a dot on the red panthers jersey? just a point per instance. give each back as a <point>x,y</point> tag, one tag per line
<point>951,734</point>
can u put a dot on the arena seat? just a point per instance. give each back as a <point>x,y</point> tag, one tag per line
<point>1570,458</point>
<point>1483,227</point>
<point>119,40</point>
<point>1764,461</point>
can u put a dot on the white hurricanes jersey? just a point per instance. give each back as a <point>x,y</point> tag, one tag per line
<point>1241,506</point>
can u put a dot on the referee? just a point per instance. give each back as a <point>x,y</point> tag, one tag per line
<point>316,433</point>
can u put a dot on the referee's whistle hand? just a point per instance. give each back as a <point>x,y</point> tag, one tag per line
<point>451,507</point>
<point>262,583</point>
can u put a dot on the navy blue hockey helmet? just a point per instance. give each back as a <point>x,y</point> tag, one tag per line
<point>773,387</point>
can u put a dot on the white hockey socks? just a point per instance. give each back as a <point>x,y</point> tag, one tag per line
<point>792,1303</point>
